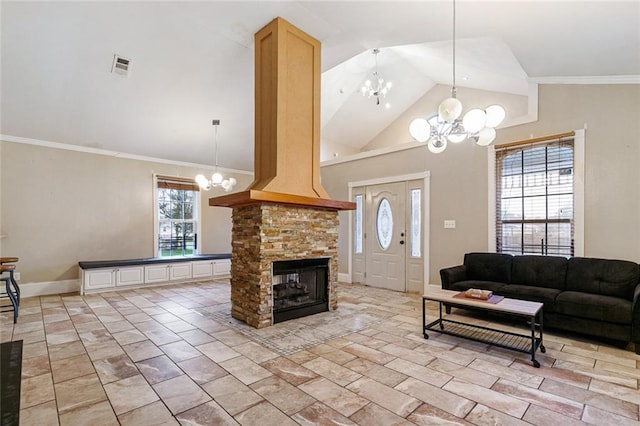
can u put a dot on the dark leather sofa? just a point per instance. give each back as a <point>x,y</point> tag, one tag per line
<point>597,297</point>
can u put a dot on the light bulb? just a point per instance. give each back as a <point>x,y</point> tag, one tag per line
<point>232,181</point>
<point>420,129</point>
<point>474,120</point>
<point>449,110</point>
<point>486,136</point>
<point>458,134</point>
<point>201,180</point>
<point>495,115</point>
<point>216,178</point>
<point>437,144</point>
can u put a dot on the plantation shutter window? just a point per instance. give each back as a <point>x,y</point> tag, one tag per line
<point>535,196</point>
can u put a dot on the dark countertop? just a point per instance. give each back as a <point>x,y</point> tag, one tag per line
<point>94,264</point>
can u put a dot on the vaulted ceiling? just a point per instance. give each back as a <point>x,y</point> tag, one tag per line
<point>192,62</point>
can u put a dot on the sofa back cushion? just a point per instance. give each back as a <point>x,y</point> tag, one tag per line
<point>488,267</point>
<point>616,278</point>
<point>539,271</point>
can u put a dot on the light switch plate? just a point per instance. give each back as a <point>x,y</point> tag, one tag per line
<point>449,224</point>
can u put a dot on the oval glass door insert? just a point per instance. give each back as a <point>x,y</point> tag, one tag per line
<point>384,224</point>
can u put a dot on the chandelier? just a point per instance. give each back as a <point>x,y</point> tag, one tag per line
<point>376,86</point>
<point>216,178</point>
<point>445,126</point>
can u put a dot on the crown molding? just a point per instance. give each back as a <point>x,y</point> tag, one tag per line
<point>586,79</point>
<point>108,153</point>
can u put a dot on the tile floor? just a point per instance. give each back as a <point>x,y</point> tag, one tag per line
<point>173,355</point>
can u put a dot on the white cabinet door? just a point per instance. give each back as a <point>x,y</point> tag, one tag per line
<point>98,278</point>
<point>180,271</point>
<point>130,276</point>
<point>156,273</point>
<point>202,269</point>
<point>222,267</point>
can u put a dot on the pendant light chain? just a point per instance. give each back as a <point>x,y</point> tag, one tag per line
<point>453,88</point>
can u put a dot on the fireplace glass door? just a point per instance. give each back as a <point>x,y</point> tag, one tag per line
<point>299,288</point>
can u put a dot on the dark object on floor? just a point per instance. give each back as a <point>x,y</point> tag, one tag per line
<point>596,297</point>
<point>10,376</point>
<point>12,290</point>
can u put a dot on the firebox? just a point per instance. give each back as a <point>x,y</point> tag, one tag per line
<point>299,288</point>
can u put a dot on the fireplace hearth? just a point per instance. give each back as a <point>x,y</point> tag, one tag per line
<point>300,288</point>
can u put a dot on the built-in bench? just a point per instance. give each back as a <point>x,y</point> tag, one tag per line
<point>105,275</point>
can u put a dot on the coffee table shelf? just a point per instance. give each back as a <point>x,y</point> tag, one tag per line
<point>531,311</point>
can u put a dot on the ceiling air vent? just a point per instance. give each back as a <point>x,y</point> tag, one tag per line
<point>120,65</point>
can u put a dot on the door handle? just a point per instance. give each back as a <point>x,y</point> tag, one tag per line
<point>401,241</point>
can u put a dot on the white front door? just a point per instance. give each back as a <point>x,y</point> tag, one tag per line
<point>387,250</point>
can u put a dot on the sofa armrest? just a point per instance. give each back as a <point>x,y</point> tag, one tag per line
<point>452,275</point>
<point>635,319</point>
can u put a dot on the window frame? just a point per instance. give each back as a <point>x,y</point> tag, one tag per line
<point>181,183</point>
<point>578,189</point>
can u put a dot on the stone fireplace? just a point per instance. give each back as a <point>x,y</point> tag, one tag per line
<point>285,215</point>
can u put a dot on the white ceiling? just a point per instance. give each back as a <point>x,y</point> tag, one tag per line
<point>192,62</point>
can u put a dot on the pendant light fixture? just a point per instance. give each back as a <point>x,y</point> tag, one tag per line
<point>216,178</point>
<point>445,126</point>
<point>376,87</point>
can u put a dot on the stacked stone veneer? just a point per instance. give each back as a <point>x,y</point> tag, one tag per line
<point>267,232</point>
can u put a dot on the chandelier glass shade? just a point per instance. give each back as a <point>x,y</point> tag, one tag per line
<point>376,86</point>
<point>216,178</point>
<point>444,126</point>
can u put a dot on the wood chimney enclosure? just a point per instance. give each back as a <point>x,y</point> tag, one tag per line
<point>285,214</point>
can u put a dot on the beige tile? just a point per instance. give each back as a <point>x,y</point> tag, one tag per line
<point>492,399</point>
<point>36,390</point>
<point>62,337</point>
<point>115,368</point>
<point>32,350</point>
<point>230,337</point>
<point>130,393</point>
<point>66,350</point>
<point>425,374</point>
<point>245,370</point>
<point>332,371</point>
<point>429,415</point>
<point>70,398</point>
<point>195,337</point>
<point>264,414</point>
<point>319,414</point>
<point>338,398</point>
<point>70,368</point>
<point>515,375</point>
<point>588,373</point>
<point>303,356</point>
<point>104,350</point>
<point>436,397</point>
<point>155,414</point>
<point>179,326</point>
<point>597,416</point>
<point>202,369</point>
<point>385,396</point>
<point>282,395</point>
<point>289,370</point>
<point>45,414</point>
<point>142,350</point>
<point>255,352</point>
<point>376,372</point>
<point>209,413</point>
<point>232,394</point>
<point>620,392</point>
<point>470,375</point>
<point>487,416</point>
<point>129,336</point>
<point>180,351</point>
<point>99,413</point>
<point>217,351</point>
<point>35,366</point>
<point>368,353</point>
<point>553,402</point>
<point>158,369</point>
<point>181,394</point>
<point>373,414</point>
<point>541,416</point>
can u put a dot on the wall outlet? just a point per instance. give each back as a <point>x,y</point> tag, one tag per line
<point>16,275</point>
<point>449,224</point>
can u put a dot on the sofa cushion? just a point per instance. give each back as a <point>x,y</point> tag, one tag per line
<point>547,296</point>
<point>617,278</point>
<point>488,266</point>
<point>594,306</point>
<point>539,271</point>
<point>484,285</point>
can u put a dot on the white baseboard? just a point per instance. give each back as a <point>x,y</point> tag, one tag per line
<point>45,288</point>
<point>344,278</point>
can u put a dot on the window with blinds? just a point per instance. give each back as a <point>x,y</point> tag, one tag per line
<point>535,197</point>
<point>177,211</point>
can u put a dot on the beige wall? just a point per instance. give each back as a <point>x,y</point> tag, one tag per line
<point>459,176</point>
<point>60,207</point>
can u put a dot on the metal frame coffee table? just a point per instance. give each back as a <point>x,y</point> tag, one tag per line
<point>531,311</point>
